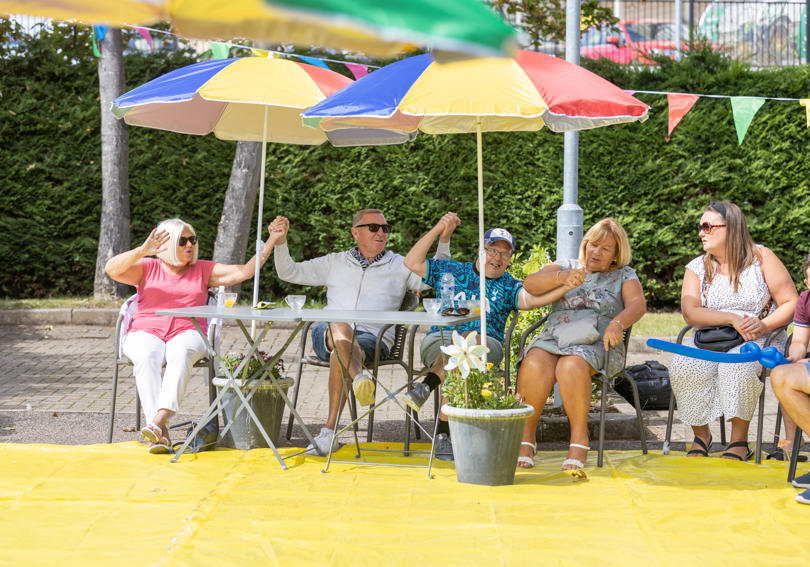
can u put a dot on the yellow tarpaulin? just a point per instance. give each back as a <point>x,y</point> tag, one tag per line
<point>118,505</point>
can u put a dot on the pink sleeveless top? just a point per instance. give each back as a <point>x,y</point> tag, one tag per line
<point>162,290</point>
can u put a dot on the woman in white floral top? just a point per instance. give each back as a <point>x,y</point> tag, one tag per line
<point>598,296</point>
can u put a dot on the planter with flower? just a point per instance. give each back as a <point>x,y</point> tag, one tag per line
<point>266,402</point>
<point>486,420</point>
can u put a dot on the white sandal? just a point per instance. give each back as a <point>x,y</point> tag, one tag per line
<point>528,461</point>
<point>576,462</point>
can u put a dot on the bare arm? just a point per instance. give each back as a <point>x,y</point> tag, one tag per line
<point>551,277</point>
<point>528,301</point>
<point>232,274</point>
<point>696,315</point>
<point>782,290</point>
<point>798,346</point>
<point>126,267</point>
<point>416,259</point>
<point>635,306</point>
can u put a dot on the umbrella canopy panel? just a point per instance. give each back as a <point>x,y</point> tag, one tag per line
<point>229,96</point>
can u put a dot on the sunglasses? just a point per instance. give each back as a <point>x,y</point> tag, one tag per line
<point>190,239</point>
<point>451,311</point>
<point>708,228</point>
<point>374,227</point>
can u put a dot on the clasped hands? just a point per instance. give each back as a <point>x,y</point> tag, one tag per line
<point>750,327</point>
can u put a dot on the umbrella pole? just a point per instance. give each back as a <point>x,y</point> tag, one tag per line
<point>259,242</point>
<point>482,255</point>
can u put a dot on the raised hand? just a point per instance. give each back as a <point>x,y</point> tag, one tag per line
<point>155,243</point>
<point>278,229</point>
<point>449,222</point>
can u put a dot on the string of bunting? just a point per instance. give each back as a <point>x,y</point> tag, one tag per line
<point>221,50</point>
<point>743,108</point>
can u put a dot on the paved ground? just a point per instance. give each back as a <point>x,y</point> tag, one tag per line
<point>55,388</point>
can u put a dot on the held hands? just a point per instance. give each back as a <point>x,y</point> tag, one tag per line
<point>571,278</point>
<point>278,230</point>
<point>448,224</point>
<point>155,243</point>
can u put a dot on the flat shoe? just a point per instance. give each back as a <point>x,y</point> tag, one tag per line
<point>152,433</point>
<point>162,447</point>
<point>779,455</point>
<point>525,459</point>
<point>703,450</point>
<point>734,456</point>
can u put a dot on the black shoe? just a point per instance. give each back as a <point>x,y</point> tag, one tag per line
<point>444,447</point>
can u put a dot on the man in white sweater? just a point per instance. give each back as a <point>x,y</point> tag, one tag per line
<point>366,277</point>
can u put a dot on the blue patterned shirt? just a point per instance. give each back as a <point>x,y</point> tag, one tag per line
<point>502,293</point>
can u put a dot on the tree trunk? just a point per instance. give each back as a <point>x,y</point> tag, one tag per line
<point>114,233</point>
<point>233,233</point>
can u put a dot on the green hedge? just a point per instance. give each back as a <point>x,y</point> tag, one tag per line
<point>50,176</point>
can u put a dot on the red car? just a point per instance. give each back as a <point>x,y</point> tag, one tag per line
<point>633,40</point>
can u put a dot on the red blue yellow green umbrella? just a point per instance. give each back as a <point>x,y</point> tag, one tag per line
<point>254,98</point>
<point>379,28</point>
<point>499,94</point>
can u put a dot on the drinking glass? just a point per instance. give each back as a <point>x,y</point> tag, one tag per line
<point>296,302</point>
<point>432,305</point>
<point>230,299</point>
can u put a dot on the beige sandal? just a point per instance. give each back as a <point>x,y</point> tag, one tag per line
<point>526,460</point>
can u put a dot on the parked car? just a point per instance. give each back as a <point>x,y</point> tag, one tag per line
<point>632,41</point>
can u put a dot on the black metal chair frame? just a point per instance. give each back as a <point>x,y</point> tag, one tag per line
<point>396,356</point>
<point>763,376</point>
<point>121,360</point>
<point>605,381</point>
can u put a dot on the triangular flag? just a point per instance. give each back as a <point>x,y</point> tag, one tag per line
<point>805,102</point>
<point>744,108</point>
<point>313,61</point>
<point>219,50</point>
<point>260,52</point>
<point>96,52</point>
<point>679,105</point>
<point>145,34</point>
<point>101,32</point>
<point>357,69</point>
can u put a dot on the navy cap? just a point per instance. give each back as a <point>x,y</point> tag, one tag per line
<point>494,234</point>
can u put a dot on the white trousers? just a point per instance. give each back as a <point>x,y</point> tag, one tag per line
<point>148,353</point>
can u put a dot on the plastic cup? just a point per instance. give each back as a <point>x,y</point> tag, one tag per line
<point>432,305</point>
<point>230,299</point>
<point>296,301</point>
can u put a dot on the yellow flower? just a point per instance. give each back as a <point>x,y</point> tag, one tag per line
<point>486,393</point>
<point>489,366</point>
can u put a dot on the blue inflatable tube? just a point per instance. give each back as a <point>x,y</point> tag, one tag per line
<point>749,352</point>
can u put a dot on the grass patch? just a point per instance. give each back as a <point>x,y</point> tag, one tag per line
<point>58,302</point>
<point>659,325</point>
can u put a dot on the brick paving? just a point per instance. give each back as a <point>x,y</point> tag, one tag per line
<point>68,368</point>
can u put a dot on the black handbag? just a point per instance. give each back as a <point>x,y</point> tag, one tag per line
<point>720,338</point>
<point>652,382</point>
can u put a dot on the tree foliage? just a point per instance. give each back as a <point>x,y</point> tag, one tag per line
<point>545,19</point>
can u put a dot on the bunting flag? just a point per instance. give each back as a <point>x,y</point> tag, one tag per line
<point>313,61</point>
<point>259,52</point>
<point>679,105</point>
<point>744,108</point>
<point>219,50</point>
<point>96,52</point>
<point>146,35</point>
<point>805,102</point>
<point>101,32</point>
<point>357,69</point>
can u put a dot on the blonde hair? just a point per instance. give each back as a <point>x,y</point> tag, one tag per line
<point>741,251</point>
<point>175,229</point>
<point>599,232</point>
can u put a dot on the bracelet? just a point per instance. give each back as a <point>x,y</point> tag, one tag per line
<point>557,275</point>
<point>619,323</point>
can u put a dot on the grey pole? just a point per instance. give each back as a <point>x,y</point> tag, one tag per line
<point>678,22</point>
<point>569,215</point>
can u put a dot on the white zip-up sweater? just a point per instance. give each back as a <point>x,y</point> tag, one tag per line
<point>380,287</point>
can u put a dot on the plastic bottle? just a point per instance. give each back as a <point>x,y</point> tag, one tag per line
<point>221,297</point>
<point>448,290</point>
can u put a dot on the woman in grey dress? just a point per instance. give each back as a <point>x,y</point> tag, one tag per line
<point>598,296</point>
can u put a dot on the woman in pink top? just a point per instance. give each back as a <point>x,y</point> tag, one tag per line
<point>174,279</point>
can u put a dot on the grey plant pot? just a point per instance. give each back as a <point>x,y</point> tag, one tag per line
<point>268,406</point>
<point>486,443</point>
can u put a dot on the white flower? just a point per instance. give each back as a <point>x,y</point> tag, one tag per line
<point>465,354</point>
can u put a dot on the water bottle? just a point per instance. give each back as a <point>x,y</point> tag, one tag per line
<point>448,290</point>
<point>221,297</point>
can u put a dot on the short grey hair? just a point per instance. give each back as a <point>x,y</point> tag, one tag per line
<point>359,215</point>
<point>175,229</point>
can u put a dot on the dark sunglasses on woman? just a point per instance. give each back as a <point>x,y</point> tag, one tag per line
<point>190,239</point>
<point>374,227</point>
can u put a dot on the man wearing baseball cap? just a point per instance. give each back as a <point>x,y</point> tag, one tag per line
<point>504,295</point>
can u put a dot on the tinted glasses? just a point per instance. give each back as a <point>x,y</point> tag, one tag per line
<point>374,227</point>
<point>708,228</point>
<point>454,311</point>
<point>184,239</point>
